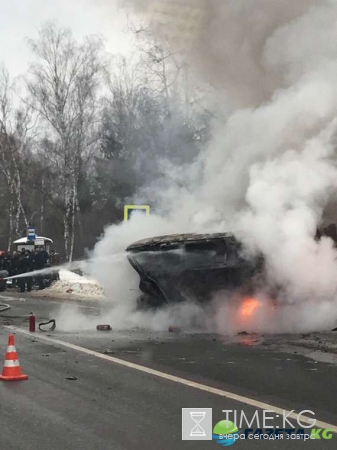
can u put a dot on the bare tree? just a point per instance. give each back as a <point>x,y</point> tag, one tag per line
<point>63,85</point>
<point>161,68</point>
<point>15,135</point>
<point>125,83</point>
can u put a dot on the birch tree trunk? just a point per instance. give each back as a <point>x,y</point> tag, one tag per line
<point>11,219</point>
<point>14,130</point>
<point>63,86</point>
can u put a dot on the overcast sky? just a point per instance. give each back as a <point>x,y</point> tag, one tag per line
<point>20,19</point>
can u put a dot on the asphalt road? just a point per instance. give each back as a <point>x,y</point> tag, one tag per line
<point>111,406</point>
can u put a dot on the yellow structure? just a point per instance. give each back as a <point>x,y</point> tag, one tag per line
<point>128,209</point>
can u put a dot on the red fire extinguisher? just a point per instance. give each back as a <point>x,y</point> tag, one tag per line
<point>32,323</point>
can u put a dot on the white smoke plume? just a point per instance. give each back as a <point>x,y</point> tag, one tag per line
<point>269,172</point>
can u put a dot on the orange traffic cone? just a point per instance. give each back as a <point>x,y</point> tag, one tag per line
<point>12,369</point>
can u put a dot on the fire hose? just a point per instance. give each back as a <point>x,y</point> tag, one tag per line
<point>4,307</point>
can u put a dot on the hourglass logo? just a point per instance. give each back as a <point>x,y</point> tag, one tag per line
<point>197,417</point>
<point>197,424</point>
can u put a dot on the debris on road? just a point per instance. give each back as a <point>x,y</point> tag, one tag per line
<point>174,329</point>
<point>71,378</point>
<point>103,328</point>
<point>109,352</point>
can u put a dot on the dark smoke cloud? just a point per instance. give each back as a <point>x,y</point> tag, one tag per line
<point>227,41</point>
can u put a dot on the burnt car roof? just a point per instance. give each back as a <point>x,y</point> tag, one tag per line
<point>177,239</point>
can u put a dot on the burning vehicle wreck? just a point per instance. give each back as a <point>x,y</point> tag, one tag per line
<point>177,267</point>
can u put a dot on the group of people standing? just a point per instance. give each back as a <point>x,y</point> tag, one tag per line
<point>26,261</point>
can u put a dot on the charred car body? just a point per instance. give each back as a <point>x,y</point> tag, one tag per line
<point>191,266</point>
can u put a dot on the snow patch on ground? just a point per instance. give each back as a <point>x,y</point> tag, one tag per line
<point>68,276</point>
<point>71,283</point>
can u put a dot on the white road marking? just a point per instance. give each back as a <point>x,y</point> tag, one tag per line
<point>175,379</point>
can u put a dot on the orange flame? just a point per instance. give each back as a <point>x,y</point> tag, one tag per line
<point>248,307</point>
